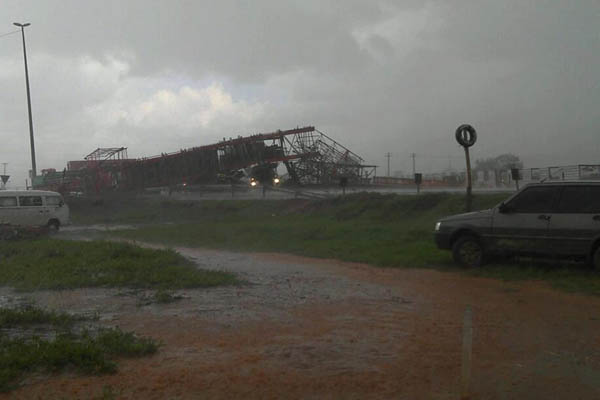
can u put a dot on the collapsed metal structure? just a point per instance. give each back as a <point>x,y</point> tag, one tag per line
<point>310,157</point>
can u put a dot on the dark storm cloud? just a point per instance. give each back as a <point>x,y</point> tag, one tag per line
<point>377,75</point>
<point>241,39</point>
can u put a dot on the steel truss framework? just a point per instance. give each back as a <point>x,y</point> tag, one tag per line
<point>107,153</point>
<point>310,156</point>
<point>322,159</point>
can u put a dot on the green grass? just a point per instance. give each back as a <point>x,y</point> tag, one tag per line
<point>562,275</point>
<point>144,210</point>
<point>149,210</point>
<point>89,353</point>
<point>31,315</point>
<point>59,264</point>
<point>383,230</point>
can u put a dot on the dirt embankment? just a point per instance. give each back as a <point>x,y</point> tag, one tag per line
<point>304,328</point>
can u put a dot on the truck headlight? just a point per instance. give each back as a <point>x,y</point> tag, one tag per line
<point>437,226</point>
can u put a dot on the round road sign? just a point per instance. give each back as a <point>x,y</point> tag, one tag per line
<point>466,135</point>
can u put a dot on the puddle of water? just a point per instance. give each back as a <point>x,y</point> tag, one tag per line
<point>12,301</point>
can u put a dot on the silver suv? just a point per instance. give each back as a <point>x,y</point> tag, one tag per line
<point>550,219</point>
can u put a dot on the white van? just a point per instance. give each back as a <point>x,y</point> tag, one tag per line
<point>33,208</point>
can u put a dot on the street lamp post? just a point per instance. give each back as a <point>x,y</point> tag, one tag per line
<point>33,169</point>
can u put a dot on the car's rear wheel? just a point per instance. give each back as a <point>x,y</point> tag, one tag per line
<point>468,251</point>
<point>53,226</point>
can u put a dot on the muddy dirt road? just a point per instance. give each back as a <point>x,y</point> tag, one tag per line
<point>305,328</point>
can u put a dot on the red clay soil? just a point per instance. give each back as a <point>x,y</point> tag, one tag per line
<point>529,342</point>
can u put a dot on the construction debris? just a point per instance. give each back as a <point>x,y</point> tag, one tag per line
<point>310,157</point>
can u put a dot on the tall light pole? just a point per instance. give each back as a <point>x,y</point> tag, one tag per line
<point>33,169</point>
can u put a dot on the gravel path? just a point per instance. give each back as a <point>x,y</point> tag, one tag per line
<point>269,288</point>
<point>305,328</point>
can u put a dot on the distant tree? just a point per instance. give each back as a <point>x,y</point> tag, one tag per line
<point>502,162</point>
<point>498,165</point>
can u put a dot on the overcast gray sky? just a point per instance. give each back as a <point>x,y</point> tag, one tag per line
<point>378,76</point>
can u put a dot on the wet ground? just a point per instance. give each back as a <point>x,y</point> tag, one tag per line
<point>305,328</point>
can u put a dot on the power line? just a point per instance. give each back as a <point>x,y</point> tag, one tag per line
<point>10,33</point>
<point>432,156</point>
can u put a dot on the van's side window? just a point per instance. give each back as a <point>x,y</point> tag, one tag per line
<point>30,201</point>
<point>8,201</point>
<point>53,201</point>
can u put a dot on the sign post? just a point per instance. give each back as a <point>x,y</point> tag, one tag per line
<point>466,136</point>
<point>515,176</point>
<point>343,184</point>
<point>418,181</point>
